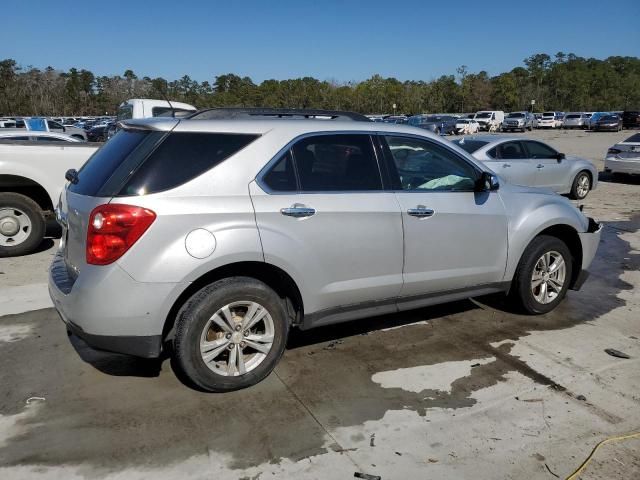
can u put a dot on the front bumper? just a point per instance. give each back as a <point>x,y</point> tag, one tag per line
<point>109,310</point>
<point>590,241</point>
<point>612,165</point>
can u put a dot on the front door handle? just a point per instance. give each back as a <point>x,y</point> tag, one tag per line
<point>420,211</point>
<point>298,211</point>
<point>505,165</point>
<point>540,165</point>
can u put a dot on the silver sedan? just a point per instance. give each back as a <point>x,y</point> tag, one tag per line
<point>624,157</point>
<point>523,161</point>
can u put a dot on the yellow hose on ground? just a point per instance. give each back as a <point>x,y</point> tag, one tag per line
<point>595,449</point>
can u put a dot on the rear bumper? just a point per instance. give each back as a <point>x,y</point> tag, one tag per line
<point>622,166</point>
<point>110,310</point>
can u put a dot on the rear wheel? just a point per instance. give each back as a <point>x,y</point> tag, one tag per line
<point>230,335</point>
<point>22,225</point>
<point>581,186</point>
<point>543,275</point>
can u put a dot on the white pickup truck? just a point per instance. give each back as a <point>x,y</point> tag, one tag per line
<point>32,175</point>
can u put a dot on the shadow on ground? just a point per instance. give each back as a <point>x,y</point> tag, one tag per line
<point>112,412</point>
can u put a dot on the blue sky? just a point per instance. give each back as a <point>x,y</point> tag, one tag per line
<point>341,40</point>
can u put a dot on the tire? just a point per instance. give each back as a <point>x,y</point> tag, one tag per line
<point>194,325</point>
<point>582,180</point>
<point>22,225</point>
<point>523,283</point>
<point>437,131</point>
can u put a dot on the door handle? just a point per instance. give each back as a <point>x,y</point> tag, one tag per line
<point>420,211</point>
<point>505,165</point>
<point>298,211</point>
<point>540,165</point>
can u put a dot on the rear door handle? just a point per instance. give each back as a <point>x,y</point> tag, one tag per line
<point>540,165</point>
<point>298,211</point>
<point>505,165</point>
<point>420,211</point>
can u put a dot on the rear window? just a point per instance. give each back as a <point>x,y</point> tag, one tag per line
<point>181,157</point>
<point>572,116</point>
<point>470,146</point>
<point>104,163</point>
<point>139,162</point>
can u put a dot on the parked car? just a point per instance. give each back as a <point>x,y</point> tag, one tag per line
<point>438,124</point>
<point>595,116</point>
<point>631,119</point>
<point>260,228</point>
<point>488,119</point>
<point>7,123</point>
<point>20,134</point>
<point>466,126</point>
<point>574,120</point>
<point>551,120</point>
<point>98,133</point>
<point>611,123</point>
<point>74,132</point>
<point>533,163</point>
<point>32,169</point>
<point>518,121</point>
<point>624,157</point>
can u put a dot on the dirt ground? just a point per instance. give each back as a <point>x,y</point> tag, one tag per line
<point>463,390</point>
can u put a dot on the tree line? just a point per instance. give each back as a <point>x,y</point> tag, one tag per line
<point>565,82</point>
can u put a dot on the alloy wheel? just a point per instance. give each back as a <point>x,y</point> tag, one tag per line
<point>549,276</point>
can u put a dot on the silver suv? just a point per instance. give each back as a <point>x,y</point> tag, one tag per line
<point>212,238</point>
<point>519,121</point>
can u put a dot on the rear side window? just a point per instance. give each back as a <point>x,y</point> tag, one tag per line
<point>181,157</point>
<point>281,177</point>
<point>540,150</point>
<point>337,163</point>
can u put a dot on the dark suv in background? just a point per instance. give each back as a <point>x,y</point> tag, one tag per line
<point>631,119</point>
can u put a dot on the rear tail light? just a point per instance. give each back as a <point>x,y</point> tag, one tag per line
<point>613,151</point>
<point>113,229</point>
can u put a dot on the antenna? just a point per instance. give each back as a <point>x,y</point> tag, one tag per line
<point>164,95</point>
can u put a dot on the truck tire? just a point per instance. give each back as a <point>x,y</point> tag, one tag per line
<point>543,275</point>
<point>22,224</point>
<point>217,348</point>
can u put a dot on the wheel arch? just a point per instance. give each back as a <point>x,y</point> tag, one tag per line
<point>274,277</point>
<point>27,187</point>
<point>570,237</point>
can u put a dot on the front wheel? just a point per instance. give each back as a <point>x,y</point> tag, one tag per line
<point>581,186</point>
<point>22,225</point>
<point>543,275</point>
<point>230,335</point>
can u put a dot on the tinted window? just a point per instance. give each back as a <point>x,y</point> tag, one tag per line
<point>540,150</point>
<point>511,151</point>
<point>470,145</point>
<point>181,157</point>
<point>337,162</point>
<point>634,138</point>
<point>281,177</point>
<point>424,165</point>
<point>104,163</point>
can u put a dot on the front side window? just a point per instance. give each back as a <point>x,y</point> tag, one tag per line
<point>423,165</point>
<point>337,163</point>
<point>540,150</point>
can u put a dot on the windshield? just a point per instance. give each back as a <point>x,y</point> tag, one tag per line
<point>463,120</point>
<point>609,118</point>
<point>470,146</point>
<point>572,116</point>
<point>548,114</point>
<point>125,112</point>
<point>515,115</point>
<point>483,114</point>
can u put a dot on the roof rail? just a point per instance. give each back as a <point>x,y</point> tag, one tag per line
<point>240,113</point>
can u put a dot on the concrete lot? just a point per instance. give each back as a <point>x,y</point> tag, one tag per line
<point>464,390</point>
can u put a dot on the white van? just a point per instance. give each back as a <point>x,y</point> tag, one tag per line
<point>146,107</point>
<point>489,118</point>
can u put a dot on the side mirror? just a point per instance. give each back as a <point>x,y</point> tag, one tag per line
<point>488,182</point>
<point>560,157</point>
